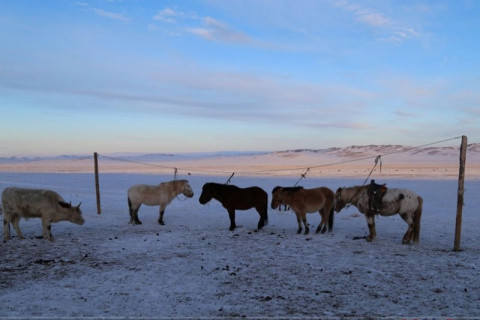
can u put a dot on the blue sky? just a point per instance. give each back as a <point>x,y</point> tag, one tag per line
<point>215,75</point>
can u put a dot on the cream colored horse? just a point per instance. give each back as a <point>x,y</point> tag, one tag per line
<point>303,201</point>
<point>402,201</point>
<point>161,195</point>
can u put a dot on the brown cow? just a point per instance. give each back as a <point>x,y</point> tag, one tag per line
<point>36,203</point>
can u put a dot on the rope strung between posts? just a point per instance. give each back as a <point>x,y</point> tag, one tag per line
<point>228,181</point>
<point>377,159</point>
<point>303,176</point>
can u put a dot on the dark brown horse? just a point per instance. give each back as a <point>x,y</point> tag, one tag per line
<point>234,198</point>
<point>303,201</point>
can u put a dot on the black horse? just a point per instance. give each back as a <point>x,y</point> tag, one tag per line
<point>234,198</point>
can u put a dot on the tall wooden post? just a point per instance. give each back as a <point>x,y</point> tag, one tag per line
<point>97,184</point>
<point>461,190</point>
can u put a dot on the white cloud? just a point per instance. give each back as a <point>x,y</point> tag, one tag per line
<point>167,15</point>
<point>110,15</point>
<point>206,27</point>
<point>215,30</point>
<point>372,18</point>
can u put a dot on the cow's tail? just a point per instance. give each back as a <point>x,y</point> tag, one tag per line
<point>417,215</point>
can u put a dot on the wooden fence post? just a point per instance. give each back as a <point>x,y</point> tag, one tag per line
<point>97,184</point>
<point>461,190</point>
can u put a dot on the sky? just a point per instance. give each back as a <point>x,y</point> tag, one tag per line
<point>78,77</point>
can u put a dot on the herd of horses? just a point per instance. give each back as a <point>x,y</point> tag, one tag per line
<point>371,200</point>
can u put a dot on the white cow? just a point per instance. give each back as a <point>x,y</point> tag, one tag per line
<point>36,203</point>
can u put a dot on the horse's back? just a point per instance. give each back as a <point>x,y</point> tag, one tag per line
<point>319,194</point>
<point>406,200</point>
<point>245,198</point>
<point>258,191</point>
<point>146,194</point>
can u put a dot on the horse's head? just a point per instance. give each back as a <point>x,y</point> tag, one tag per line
<point>339,201</point>
<point>276,197</point>
<point>187,189</point>
<point>206,193</point>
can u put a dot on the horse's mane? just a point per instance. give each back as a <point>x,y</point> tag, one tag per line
<point>223,186</point>
<point>173,181</point>
<point>291,190</point>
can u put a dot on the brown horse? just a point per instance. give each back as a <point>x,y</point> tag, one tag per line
<point>402,201</point>
<point>303,201</point>
<point>234,198</point>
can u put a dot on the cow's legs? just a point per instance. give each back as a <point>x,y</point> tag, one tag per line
<point>46,228</point>
<point>15,221</point>
<point>6,227</point>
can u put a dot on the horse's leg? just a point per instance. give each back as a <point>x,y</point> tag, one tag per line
<point>304,219</point>
<point>409,234</point>
<point>299,221</point>
<point>130,210</point>
<point>371,227</point>
<point>162,211</point>
<point>135,215</point>
<point>231,214</point>
<point>261,222</point>
<point>322,222</point>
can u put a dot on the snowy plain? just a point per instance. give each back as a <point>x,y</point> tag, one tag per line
<point>193,267</point>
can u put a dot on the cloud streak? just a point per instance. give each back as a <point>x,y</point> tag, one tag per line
<point>207,28</point>
<point>393,32</point>
<point>215,30</point>
<point>110,15</point>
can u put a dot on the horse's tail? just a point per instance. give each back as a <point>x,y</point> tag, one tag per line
<point>130,210</point>
<point>417,215</point>
<point>265,215</point>
<point>331,218</point>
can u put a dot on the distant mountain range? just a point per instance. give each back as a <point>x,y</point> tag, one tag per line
<point>350,152</point>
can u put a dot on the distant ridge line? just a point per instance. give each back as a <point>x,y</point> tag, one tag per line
<point>364,150</point>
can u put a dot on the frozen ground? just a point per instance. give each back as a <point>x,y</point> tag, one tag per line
<point>194,267</point>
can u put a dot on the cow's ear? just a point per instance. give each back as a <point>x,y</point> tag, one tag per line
<point>64,204</point>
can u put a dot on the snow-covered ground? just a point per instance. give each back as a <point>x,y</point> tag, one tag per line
<point>194,267</point>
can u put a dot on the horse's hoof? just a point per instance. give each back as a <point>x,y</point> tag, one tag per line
<point>299,231</point>
<point>306,231</point>
<point>231,228</point>
<point>161,223</point>
<point>138,222</point>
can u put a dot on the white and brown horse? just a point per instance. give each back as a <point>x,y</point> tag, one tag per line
<point>161,195</point>
<point>402,201</point>
<point>303,201</point>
